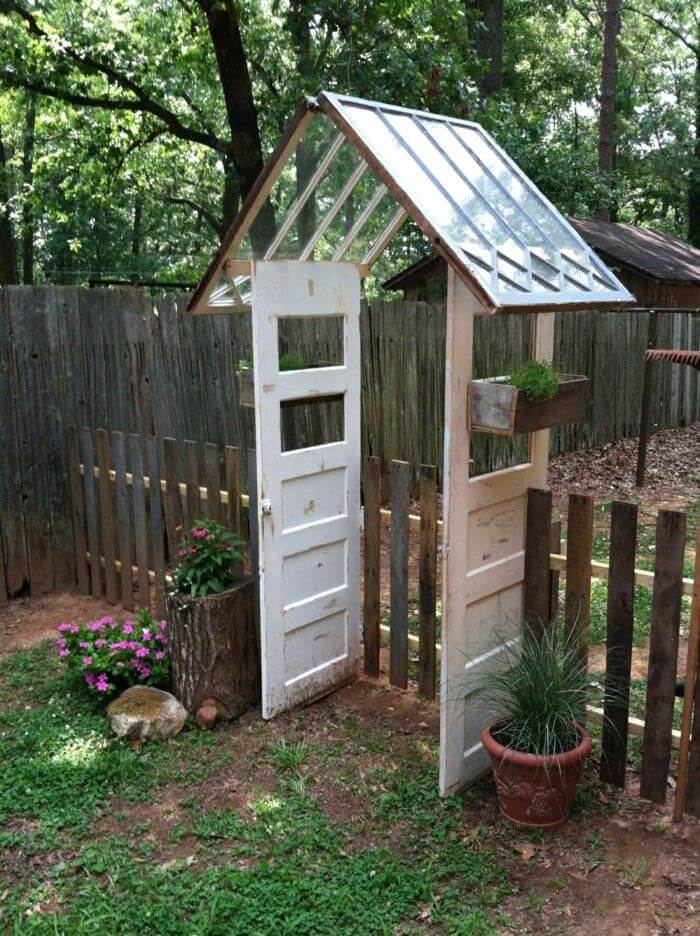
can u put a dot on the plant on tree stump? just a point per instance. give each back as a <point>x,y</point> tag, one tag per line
<point>211,618</point>
<point>209,560</point>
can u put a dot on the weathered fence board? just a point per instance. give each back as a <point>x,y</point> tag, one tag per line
<point>371,495</point>
<point>663,654</point>
<point>579,539</point>
<point>398,641</point>
<point>537,588</point>
<point>427,581</point>
<point>618,651</point>
<point>117,360</point>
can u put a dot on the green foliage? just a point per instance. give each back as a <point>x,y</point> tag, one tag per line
<point>536,379</point>
<point>539,692</point>
<point>289,755</point>
<point>291,361</point>
<point>209,560</point>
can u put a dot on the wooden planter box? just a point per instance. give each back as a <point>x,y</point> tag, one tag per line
<point>214,649</point>
<point>496,407</point>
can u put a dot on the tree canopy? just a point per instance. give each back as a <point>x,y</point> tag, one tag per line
<point>130,130</point>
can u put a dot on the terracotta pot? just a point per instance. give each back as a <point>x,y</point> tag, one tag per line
<point>535,792</point>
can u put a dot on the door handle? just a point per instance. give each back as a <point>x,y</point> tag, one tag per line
<point>266,506</point>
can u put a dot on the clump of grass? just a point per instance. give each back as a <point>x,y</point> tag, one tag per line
<point>536,379</point>
<point>291,361</point>
<point>539,692</point>
<point>289,755</point>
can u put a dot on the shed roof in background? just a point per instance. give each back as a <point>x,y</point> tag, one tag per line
<point>655,255</point>
<point>476,207</point>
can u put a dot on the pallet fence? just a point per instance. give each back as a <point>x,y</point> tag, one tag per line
<point>127,528</point>
<point>414,647</point>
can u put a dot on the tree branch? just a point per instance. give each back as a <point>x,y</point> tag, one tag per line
<point>695,49</point>
<point>143,101</point>
<point>208,215</point>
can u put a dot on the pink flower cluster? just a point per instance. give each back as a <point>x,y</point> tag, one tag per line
<point>109,653</point>
<point>199,533</point>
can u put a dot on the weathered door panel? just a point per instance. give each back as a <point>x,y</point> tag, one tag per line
<point>308,499</point>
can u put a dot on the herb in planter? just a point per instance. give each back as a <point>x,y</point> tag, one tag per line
<point>536,379</point>
<point>112,654</point>
<point>209,560</point>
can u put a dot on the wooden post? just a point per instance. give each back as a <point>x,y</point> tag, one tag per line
<point>690,698</point>
<point>156,514</point>
<point>212,477</point>
<point>78,511</point>
<point>645,413</point>
<point>371,492</point>
<point>104,462</point>
<point>123,518</point>
<point>623,542</point>
<point>173,502</point>
<point>398,637</point>
<point>579,541</point>
<point>663,654</point>
<point>194,505</point>
<point>93,527</point>
<point>536,607</point>
<point>427,581</point>
<point>232,465</point>
<point>555,547</point>
<point>139,505</point>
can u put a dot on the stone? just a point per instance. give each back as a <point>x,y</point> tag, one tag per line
<point>145,712</point>
<point>206,715</point>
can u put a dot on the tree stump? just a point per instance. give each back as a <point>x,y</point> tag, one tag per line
<point>214,650</point>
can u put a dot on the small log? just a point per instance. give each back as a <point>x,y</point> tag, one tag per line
<point>214,650</point>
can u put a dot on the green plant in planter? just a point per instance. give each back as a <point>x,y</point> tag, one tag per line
<point>536,379</point>
<point>540,693</point>
<point>209,560</point>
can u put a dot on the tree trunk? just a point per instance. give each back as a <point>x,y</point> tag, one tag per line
<point>694,178</point>
<point>606,124</point>
<point>214,651</point>
<point>28,195</point>
<point>488,43</point>
<point>246,146</point>
<point>8,275</point>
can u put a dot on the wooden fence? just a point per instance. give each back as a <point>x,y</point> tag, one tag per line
<point>118,360</point>
<point>541,605</point>
<point>131,502</point>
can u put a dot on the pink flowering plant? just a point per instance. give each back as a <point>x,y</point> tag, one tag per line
<point>111,654</point>
<point>210,560</point>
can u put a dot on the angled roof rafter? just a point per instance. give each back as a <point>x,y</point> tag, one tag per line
<point>509,244</point>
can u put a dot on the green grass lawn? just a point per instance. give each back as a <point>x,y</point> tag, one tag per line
<point>84,851</point>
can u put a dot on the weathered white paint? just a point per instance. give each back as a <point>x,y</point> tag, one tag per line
<point>483,549</point>
<point>309,499</point>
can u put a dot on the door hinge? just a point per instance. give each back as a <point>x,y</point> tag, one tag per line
<point>442,550</point>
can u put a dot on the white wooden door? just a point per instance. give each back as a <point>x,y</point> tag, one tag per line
<point>308,499</point>
<point>483,550</point>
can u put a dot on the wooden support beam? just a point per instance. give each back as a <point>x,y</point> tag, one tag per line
<point>427,578</point>
<point>398,642</point>
<point>371,492</point>
<point>579,541</point>
<point>538,524</point>
<point>689,752</point>
<point>645,414</point>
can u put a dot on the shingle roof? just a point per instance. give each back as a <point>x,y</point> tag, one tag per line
<point>655,255</point>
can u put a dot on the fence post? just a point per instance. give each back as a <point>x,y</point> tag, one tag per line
<point>618,662</point>
<point>555,547</point>
<point>537,543</point>
<point>139,505</point>
<point>194,505</point>
<point>78,511</point>
<point>233,487</point>
<point>579,541</point>
<point>689,748</point>
<point>104,463</point>
<point>663,654</point>
<point>371,492</point>
<point>91,512</point>
<point>157,532</point>
<point>398,636</point>
<point>123,518</point>
<point>427,576</point>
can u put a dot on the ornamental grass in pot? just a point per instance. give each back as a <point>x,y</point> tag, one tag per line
<point>537,744</point>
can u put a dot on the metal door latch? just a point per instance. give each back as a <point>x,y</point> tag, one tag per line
<point>266,506</point>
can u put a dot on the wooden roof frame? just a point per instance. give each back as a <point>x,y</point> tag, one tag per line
<point>332,106</point>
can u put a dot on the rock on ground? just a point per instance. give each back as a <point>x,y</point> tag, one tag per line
<point>145,712</point>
